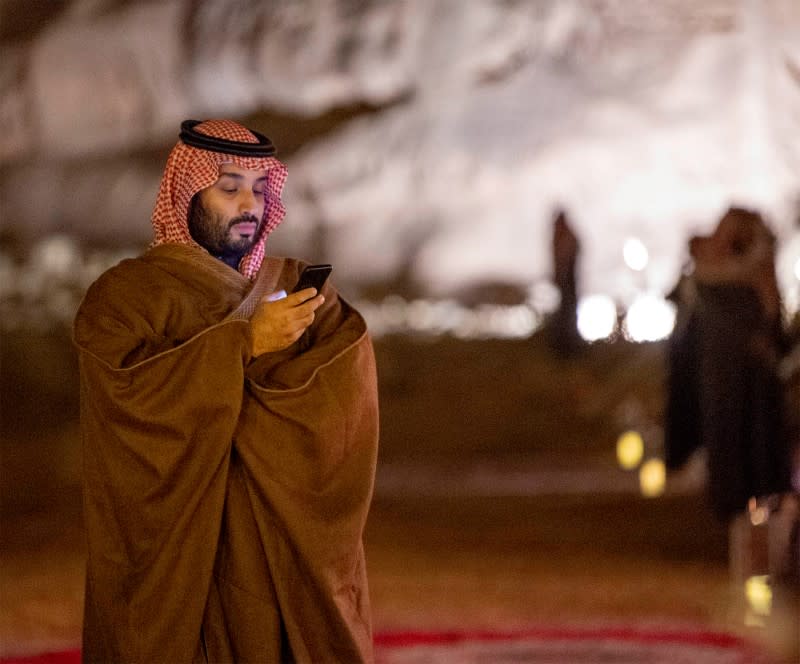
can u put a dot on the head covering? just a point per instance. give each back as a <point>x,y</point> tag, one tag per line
<point>193,165</point>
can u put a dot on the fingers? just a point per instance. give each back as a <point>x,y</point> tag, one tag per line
<point>313,304</point>
<point>307,295</point>
<point>292,328</point>
<point>303,295</point>
<point>277,324</point>
<point>299,318</point>
<point>304,306</point>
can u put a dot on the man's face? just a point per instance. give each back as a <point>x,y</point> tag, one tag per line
<point>225,217</point>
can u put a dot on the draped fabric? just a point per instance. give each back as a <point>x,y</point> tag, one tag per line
<point>225,496</point>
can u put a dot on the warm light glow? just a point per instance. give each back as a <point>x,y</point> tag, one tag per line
<point>635,254</point>
<point>649,318</point>
<point>544,296</point>
<point>797,269</point>
<point>759,595</point>
<point>597,317</point>
<point>421,315</point>
<point>58,255</point>
<point>435,317</point>
<point>630,449</point>
<point>759,514</point>
<point>652,478</point>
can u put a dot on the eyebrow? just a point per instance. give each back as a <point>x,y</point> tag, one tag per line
<point>239,176</point>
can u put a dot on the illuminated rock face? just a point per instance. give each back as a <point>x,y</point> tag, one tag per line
<point>643,120</point>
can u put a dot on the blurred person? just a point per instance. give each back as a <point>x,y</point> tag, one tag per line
<point>562,328</point>
<point>229,432</point>
<point>725,393</point>
<point>789,370</point>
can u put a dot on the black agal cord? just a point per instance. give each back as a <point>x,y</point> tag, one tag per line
<point>264,147</point>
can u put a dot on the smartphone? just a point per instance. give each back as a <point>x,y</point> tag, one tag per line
<point>313,276</point>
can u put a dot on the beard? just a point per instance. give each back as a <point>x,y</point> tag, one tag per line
<point>214,233</point>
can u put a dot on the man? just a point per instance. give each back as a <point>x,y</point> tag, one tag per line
<point>229,437</point>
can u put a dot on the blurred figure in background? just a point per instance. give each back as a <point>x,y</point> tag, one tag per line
<point>725,392</point>
<point>563,325</point>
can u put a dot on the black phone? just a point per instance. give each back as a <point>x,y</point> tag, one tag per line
<point>313,276</point>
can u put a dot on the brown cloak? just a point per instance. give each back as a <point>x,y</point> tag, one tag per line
<point>225,497</point>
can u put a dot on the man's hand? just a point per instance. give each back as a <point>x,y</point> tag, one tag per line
<point>277,325</point>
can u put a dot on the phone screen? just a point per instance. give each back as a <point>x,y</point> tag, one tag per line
<point>313,276</point>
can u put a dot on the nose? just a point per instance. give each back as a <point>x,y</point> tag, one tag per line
<point>249,202</point>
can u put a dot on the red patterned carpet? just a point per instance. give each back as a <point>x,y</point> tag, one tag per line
<point>550,645</point>
<point>556,645</point>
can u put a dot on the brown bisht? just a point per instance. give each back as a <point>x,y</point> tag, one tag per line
<point>225,497</point>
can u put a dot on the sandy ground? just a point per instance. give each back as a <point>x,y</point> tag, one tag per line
<point>498,501</point>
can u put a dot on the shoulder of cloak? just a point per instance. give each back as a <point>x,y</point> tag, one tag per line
<point>155,302</point>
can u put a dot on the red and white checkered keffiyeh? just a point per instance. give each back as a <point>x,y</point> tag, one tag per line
<point>190,170</point>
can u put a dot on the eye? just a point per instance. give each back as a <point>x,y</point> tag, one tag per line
<point>229,191</point>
